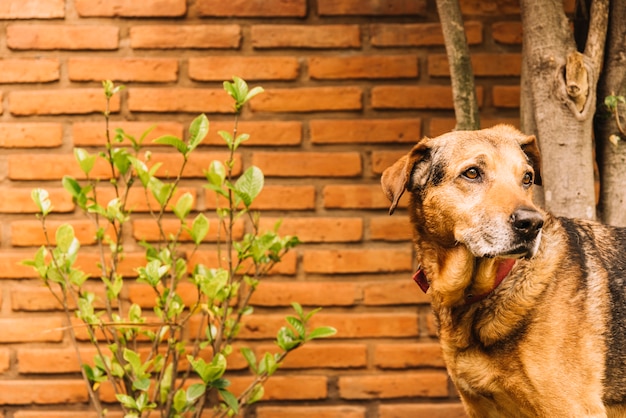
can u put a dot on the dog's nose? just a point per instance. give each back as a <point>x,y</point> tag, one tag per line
<point>527,222</point>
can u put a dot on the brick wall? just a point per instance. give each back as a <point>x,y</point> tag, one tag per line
<point>350,85</point>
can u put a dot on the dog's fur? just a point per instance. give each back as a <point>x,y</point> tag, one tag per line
<point>550,339</point>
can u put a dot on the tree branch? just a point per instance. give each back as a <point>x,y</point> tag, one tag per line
<point>461,73</point>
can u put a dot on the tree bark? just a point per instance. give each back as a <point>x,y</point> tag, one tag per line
<point>561,84</point>
<point>613,157</point>
<point>461,73</point>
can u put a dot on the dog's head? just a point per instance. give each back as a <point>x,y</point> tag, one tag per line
<point>472,188</point>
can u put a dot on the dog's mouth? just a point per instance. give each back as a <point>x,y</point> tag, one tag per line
<point>487,249</point>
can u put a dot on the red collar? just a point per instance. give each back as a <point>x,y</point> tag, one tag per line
<point>504,268</point>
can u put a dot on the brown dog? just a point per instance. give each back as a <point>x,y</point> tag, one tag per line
<point>531,308</point>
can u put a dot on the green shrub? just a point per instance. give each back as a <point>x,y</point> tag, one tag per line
<point>146,358</point>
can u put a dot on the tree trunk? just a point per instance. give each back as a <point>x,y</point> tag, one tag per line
<point>561,84</point>
<point>613,157</point>
<point>461,73</point>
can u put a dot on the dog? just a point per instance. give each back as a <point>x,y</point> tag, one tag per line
<point>530,307</point>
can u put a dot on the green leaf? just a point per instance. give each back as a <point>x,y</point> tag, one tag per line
<point>230,400</point>
<point>65,238</point>
<point>255,91</point>
<point>172,141</point>
<point>321,332</point>
<point>297,324</point>
<point>126,401</point>
<point>121,160</point>
<point>199,228</point>
<point>42,200</point>
<point>180,400</point>
<point>85,160</point>
<point>198,130</point>
<point>195,391</point>
<point>287,340</point>
<point>256,395</point>
<point>216,174</point>
<point>183,206</point>
<point>227,137</point>
<point>248,354</point>
<point>249,185</point>
<point>142,384</point>
<point>161,191</point>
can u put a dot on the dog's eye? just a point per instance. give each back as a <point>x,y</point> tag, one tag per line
<point>528,179</point>
<point>472,173</point>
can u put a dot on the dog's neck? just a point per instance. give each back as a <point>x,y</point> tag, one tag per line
<point>459,278</point>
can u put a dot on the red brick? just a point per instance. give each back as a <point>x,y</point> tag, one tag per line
<point>25,329</point>
<point>363,67</point>
<point>271,293</point>
<point>145,296</point>
<point>38,9</point>
<point>394,292</point>
<point>196,165</point>
<point>52,167</point>
<point>369,325</point>
<point>137,198</point>
<point>506,96</point>
<point>31,135</point>
<point>415,97</point>
<point>29,233</point>
<point>184,37</point>
<point>356,261</point>
<point>396,385</point>
<point>276,198</point>
<point>11,265</point>
<point>5,359</point>
<point>371,8</point>
<point>381,160</point>
<point>419,34</point>
<point>439,126</point>
<point>36,297</point>
<point>42,392</point>
<point>385,228</point>
<point>309,99</point>
<point>123,69</point>
<point>60,102</point>
<point>355,196</point>
<point>366,131</point>
<point>219,68</point>
<point>507,32</point>
<point>37,360</point>
<point>404,356</point>
<point>29,70</point>
<point>286,387</point>
<point>93,133</point>
<point>318,229</point>
<point>287,265</point>
<point>178,99</point>
<point>321,356</point>
<point>147,230</point>
<point>439,410</point>
<point>272,132</point>
<point>19,201</point>
<point>308,164</point>
<point>130,8</point>
<point>252,8</point>
<point>484,65</point>
<point>305,36</point>
<point>498,7</point>
<point>310,411</point>
<point>63,414</point>
<point>50,37</point>
<point>360,325</point>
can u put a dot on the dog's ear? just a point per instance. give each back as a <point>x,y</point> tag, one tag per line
<point>531,149</point>
<point>405,174</point>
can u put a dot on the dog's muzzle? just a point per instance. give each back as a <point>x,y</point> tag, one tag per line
<point>526,224</point>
